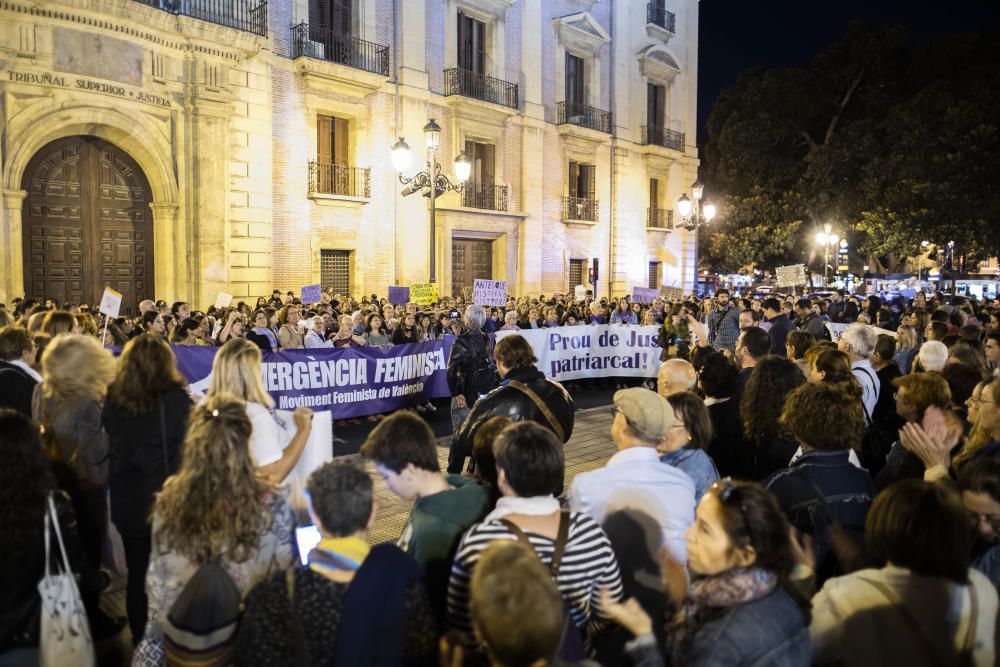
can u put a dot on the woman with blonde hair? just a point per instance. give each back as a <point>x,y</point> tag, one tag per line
<point>236,371</point>
<point>218,507</point>
<point>59,322</point>
<point>76,373</point>
<point>907,346</point>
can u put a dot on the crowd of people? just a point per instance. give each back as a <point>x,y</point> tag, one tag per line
<point>807,481</point>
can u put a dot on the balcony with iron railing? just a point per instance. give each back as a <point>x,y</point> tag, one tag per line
<point>480,87</point>
<point>340,180</point>
<point>660,17</point>
<point>246,15</point>
<point>324,44</point>
<point>580,208</point>
<point>657,135</point>
<point>660,218</point>
<point>574,113</point>
<point>486,196</point>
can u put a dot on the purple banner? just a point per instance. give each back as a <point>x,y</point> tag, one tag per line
<point>399,296</point>
<point>349,382</point>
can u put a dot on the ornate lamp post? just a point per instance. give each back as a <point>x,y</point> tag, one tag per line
<point>422,181</point>
<point>694,215</point>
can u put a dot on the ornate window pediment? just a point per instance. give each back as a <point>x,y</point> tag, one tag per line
<point>658,64</point>
<point>581,32</point>
<point>493,8</point>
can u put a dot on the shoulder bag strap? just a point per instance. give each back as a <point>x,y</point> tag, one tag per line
<point>301,649</point>
<point>905,614</point>
<point>561,539</point>
<point>62,547</point>
<point>544,409</point>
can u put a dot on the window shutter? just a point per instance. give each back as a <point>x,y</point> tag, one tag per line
<point>324,139</point>
<point>574,179</point>
<point>464,47</point>
<point>480,47</point>
<point>319,20</point>
<point>342,23</point>
<point>654,193</point>
<point>591,181</point>
<point>341,141</point>
<point>488,163</point>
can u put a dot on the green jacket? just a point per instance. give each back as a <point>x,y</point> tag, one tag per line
<point>436,526</point>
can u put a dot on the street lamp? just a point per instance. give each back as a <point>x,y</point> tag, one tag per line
<point>430,181</point>
<point>826,239</point>
<point>695,214</point>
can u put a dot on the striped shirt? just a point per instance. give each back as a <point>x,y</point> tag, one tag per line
<point>588,565</point>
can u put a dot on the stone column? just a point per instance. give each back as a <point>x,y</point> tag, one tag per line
<point>11,246</point>
<point>169,244</point>
<point>528,269</point>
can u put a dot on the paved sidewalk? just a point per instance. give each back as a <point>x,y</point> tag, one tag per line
<point>589,448</point>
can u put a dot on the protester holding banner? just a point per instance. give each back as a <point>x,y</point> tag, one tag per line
<point>275,447</point>
<point>290,335</point>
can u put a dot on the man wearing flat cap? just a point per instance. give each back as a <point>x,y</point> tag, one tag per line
<point>634,480</point>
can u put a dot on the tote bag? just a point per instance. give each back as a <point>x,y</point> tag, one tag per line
<point>64,633</point>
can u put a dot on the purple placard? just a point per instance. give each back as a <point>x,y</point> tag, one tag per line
<point>349,382</point>
<point>644,294</point>
<point>311,294</point>
<point>399,296</point>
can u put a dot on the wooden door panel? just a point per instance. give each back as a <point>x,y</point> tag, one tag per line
<point>469,260</point>
<point>87,224</point>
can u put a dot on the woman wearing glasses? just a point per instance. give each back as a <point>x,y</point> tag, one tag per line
<point>739,608</point>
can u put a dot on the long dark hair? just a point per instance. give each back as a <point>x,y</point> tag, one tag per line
<point>694,414</point>
<point>147,370</point>
<point>25,482</point>
<point>764,395</point>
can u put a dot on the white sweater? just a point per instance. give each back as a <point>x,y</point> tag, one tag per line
<point>854,622</point>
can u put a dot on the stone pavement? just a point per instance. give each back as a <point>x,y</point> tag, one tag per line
<point>589,448</point>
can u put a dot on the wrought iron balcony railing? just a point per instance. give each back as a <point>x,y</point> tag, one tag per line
<point>579,208</point>
<point>245,15</point>
<point>660,218</point>
<point>660,17</point>
<point>658,135</point>
<point>480,87</point>
<point>575,113</point>
<point>338,179</point>
<point>323,44</point>
<point>485,196</point>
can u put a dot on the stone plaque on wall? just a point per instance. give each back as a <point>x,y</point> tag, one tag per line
<point>99,56</point>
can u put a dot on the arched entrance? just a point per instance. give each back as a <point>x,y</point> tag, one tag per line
<point>87,224</point>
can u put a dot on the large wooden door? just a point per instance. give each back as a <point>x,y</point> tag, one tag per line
<point>87,224</point>
<point>470,259</point>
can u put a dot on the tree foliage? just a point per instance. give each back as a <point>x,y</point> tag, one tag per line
<point>892,141</point>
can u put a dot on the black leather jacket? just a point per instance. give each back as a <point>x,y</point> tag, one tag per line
<point>506,401</point>
<point>464,358</point>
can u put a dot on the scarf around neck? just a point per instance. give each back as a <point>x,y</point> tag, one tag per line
<point>535,506</point>
<point>338,554</point>
<point>269,334</point>
<point>736,586</point>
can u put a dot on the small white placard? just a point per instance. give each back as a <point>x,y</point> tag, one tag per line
<point>111,302</point>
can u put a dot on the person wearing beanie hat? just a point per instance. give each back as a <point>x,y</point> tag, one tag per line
<point>634,482</point>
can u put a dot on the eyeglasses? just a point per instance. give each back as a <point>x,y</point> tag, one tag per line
<point>724,489</point>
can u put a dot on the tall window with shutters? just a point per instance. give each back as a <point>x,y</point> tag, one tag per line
<point>332,155</point>
<point>471,44</point>
<point>581,204</point>
<point>330,20</point>
<point>480,191</point>
<point>654,275</point>
<point>575,87</point>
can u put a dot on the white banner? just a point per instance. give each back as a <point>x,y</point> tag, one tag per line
<point>836,330</point>
<point>594,351</point>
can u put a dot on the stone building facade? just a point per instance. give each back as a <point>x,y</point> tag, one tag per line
<point>183,148</point>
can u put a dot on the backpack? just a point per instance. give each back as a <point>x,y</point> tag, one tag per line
<point>200,628</point>
<point>484,378</point>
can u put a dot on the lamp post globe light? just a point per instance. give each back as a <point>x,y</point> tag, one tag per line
<point>695,214</point>
<point>431,182</point>
<point>826,238</point>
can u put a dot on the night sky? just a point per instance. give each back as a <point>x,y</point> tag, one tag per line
<point>738,34</point>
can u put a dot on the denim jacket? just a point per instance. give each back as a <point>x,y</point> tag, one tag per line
<point>770,631</point>
<point>697,464</point>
